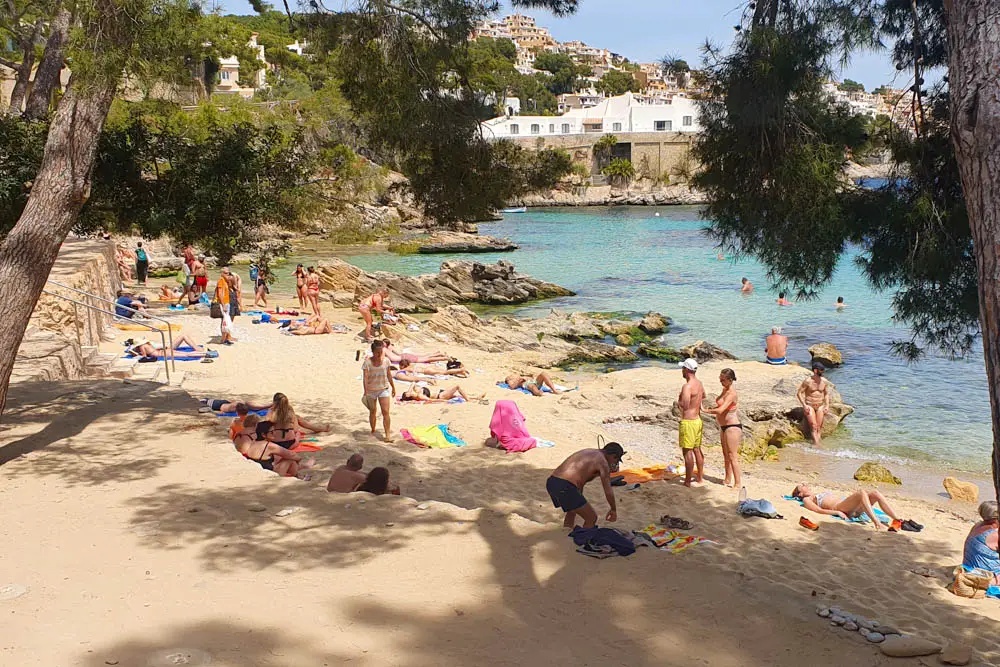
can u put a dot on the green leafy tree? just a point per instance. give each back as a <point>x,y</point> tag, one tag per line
<point>616,82</point>
<point>850,86</point>
<point>564,73</point>
<point>620,171</point>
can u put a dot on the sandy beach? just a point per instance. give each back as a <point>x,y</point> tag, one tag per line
<point>136,535</point>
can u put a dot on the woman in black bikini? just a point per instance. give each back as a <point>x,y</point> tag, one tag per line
<point>251,442</point>
<point>286,426</point>
<point>730,428</point>
<point>425,395</point>
<point>300,285</point>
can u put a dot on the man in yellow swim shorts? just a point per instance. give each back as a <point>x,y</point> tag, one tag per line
<point>690,429</point>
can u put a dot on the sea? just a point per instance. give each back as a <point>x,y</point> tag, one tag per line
<point>935,411</point>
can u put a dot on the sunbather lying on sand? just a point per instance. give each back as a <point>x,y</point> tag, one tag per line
<point>347,478</point>
<point>832,504</point>
<point>395,357</point>
<point>431,369</point>
<point>313,325</point>
<point>143,348</point>
<point>425,395</point>
<point>229,405</point>
<point>407,376</point>
<point>270,456</point>
<point>535,386</point>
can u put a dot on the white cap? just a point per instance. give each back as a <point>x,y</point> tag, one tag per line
<point>689,364</point>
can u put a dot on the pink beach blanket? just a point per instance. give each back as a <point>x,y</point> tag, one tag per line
<point>507,426</point>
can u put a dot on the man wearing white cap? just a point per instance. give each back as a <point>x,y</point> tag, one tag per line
<point>690,429</point>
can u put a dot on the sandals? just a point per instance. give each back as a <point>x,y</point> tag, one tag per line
<point>675,523</point>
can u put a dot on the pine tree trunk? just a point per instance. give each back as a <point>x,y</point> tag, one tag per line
<point>47,75</point>
<point>23,72</point>
<point>59,191</point>
<point>973,61</point>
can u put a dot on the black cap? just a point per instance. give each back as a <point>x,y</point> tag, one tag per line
<point>614,449</point>
<point>818,366</point>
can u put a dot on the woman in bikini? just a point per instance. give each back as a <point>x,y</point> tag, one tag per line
<point>375,302</point>
<point>300,285</point>
<point>312,326</point>
<point>536,386</point>
<point>312,289</point>
<point>396,357</point>
<point>730,428</point>
<point>286,426</point>
<point>260,287</point>
<point>252,444</point>
<point>425,395</point>
<point>858,503</point>
<point>428,369</point>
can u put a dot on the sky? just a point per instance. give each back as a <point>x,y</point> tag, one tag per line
<point>647,30</point>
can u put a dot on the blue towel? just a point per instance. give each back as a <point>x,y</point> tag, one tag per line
<point>545,390</point>
<point>262,413</point>
<point>882,516</point>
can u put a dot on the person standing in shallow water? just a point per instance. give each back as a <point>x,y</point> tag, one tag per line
<point>747,286</point>
<point>730,428</point>
<point>689,431</point>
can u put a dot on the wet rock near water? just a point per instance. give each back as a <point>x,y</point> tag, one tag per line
<point>703,351</point>
<point>654,323</point>
<point>965,492</point>
<point>874,472</point>
<point>827,354</point>
<point>456,242</point>
<point>659,352</point>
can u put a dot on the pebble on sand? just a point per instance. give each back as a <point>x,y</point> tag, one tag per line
<point>12,591</point>
<point>875,637</point>
<point>908,647</point>
<point>956,654</point>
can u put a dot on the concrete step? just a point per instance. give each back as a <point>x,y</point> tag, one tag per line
<point>122,368</point>
<point>100,364</point>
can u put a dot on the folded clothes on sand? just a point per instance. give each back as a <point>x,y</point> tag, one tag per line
<point>431,437</point>
<point>545,390</point>
<point>863,518</point>
<point>597,539</point>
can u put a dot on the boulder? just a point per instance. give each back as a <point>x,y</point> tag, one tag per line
<point>827,354</point>
<point>654,323</point>
<point>573,327</point>
<point>458,242</point>
<point>908,647</point>
<point>956,654</point>
<point>702,352</point>
<point>658,352</point>
<point>590,350</point>
<point>966,492</point>
<point>874,472</point>
<point>624,339</point>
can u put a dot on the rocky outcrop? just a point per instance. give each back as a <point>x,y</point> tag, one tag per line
<point>606,195</point>
<point>874,472</point>
<point>965,492</point>
<point>659,352</point>
<point>703,351</point>
<point>458,324</point>
<point>653,323</point>
<point>458,242</point>
<point>827,354</point>
<point>456,283</point>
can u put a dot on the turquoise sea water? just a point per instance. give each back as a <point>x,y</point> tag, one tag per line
<point>628,258</point>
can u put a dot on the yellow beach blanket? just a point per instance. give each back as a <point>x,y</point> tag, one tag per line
<point>126,326</point>
<point>431,437</point>
<point>648,474</point>
<point>671,540</point>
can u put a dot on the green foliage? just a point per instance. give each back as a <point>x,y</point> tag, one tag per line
<point>21,146</point>
<point>851,86</point>
<point>564,73</point>
<point>603,146</point>
<point>620,171</point>
<point>616,82</point>
<point>409,247</point>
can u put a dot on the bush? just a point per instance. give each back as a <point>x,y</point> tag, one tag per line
<point>620,171</point>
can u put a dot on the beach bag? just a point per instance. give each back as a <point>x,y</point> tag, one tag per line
<point>181,278</point>
<point>453,364</point>
<point>215,310</point>
<point>970,584</point>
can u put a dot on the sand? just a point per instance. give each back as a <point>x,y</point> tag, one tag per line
<point>128,518</point>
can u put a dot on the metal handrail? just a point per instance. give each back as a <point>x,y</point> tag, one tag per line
<point>170,333</point>
<point>109,312</point>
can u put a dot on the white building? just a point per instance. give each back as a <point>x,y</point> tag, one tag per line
<point>229,73</point>
<point>623,114</point>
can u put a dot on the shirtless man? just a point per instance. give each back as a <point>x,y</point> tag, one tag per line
<point>747,286</point>
<point>565,485</point>
<point>777,346</point>
<point>782,301</point>
<point>347,478</point>
<point>689,430</point>
<point>814,396</point>
<point>200,275</point>
<point>840,305</point>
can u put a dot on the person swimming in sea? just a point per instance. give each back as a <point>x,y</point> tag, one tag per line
<point>747,286</point>
<point>840,305</point>
<point>777,346</point>
<point>782,301</point>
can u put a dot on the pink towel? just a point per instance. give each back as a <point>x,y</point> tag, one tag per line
<point>507,426</point>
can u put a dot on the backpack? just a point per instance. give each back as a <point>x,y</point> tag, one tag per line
<point>140,254</point>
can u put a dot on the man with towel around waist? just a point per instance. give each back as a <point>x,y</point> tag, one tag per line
<point>565,485</point>
<point>689,431</point>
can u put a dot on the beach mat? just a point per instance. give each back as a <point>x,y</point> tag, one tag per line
<point>882,516</point>
<point>431,437</point>
<point>670,540</point>
<point>306,447</point>
<point>654,473</point>
<point>545,390</point>
<point>159,326</point>
<point>260,413</point>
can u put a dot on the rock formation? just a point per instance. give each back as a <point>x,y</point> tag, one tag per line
<point>827,354</point>
<point>874,472</point>
<point>703,351</point>
<point>966,492</point>
<point>456,242</point>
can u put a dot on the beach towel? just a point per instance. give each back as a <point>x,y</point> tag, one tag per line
<point>670,540</point>
<point>159,326</point>
<point>305,447</point>
<point>233,414</point>
<point>431,437</point>
<point>545,390</point>
<point>507,426</point>
<point>653,473</point>
<point>182,348</point>
<point>882,516</point>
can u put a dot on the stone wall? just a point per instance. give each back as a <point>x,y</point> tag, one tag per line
<point>665,152</point>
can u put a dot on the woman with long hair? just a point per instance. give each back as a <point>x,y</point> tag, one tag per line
<point>377,483</point>
<point>286,426</point>
<point>730,428</point>
<point>300,285</point>
<point>378,388</point>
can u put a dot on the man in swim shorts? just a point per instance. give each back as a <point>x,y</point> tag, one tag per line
<point>777,346</point>
<point>347,478</point>
<point>689,431</point>
<point>814,395</point>
<point>565,485</point>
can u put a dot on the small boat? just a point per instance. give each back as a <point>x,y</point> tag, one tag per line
<point>518,209</point>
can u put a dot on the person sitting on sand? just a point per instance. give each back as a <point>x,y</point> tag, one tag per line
<point>242,410</point>
<point>425,395</point>
<point>125,306</point>
<point>143,348</point>
<point>314,325</point>
<point>348,477</point>
<point>565,484</point>
<point>286,426</point>
<point>377,483</point>
<point>536,386</point>
<point>430,369</point>
<point>228,405</point>
<point>268,455</point>
<point>776,348</point>
<point>858,503</point>
<point>396,357</point>
<point>747,286</point>
<point>374,302</point>
<point>168,293</point>
<point>980,551</point>
<point>782,301</point>
<point>814,395</point>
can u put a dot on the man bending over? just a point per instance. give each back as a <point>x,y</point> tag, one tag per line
<point>565,485</point>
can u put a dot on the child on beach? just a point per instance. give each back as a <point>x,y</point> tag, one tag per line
<point>379,387</point>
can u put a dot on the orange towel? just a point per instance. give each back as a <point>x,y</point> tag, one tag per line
<point>647,474</point>
<point>306,447</point>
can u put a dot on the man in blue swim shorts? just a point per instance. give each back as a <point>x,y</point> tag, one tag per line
<point>777,345</point>
<point>565,485</point>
